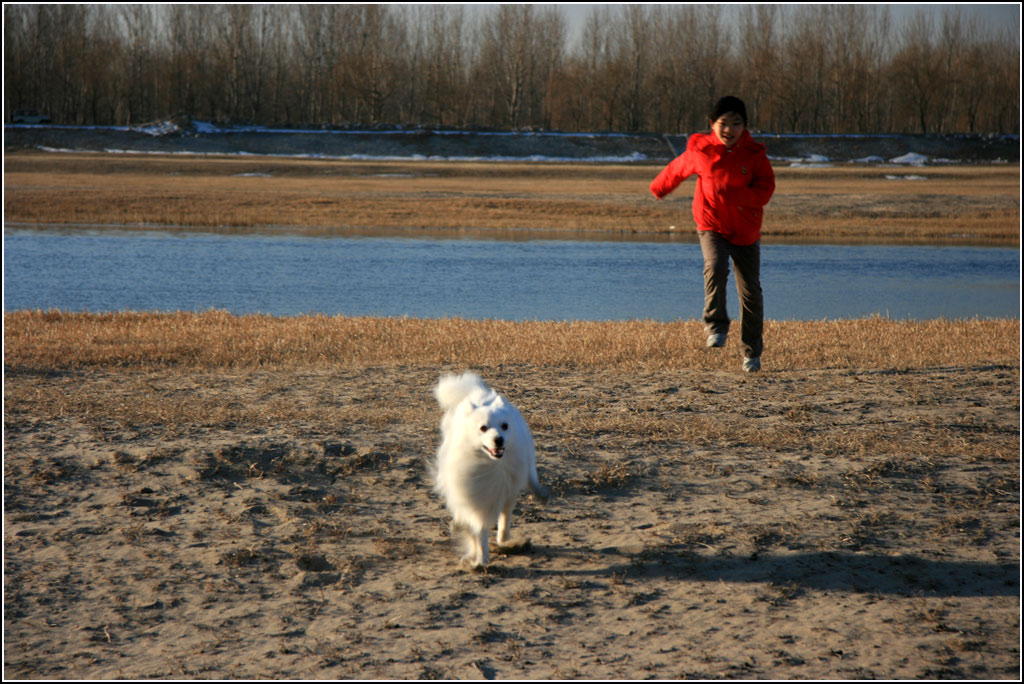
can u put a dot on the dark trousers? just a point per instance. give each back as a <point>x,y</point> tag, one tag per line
<point>747,264</point>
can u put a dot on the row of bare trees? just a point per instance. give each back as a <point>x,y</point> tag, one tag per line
<point>801,68</point>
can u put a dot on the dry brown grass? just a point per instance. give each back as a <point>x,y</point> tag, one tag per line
<point>216,339</point>
<point>956,204</point>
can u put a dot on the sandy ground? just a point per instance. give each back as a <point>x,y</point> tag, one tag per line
<point>792,525</point>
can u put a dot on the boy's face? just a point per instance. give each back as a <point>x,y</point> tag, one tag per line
<point>728,128</point>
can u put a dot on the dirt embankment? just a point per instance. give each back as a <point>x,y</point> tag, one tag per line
<point>185,136</point>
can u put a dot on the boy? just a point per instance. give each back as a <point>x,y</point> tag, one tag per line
<point>734,182</point>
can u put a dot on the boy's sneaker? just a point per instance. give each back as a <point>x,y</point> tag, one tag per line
<point>752,365</point>
<point>717,340</point>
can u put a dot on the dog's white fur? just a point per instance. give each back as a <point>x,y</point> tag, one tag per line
<point>486,459</point>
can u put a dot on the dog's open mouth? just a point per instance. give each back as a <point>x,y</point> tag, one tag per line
<point>494,452</point>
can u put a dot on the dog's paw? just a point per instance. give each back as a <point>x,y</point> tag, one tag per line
<point>514,546</point>
<point>470,565</point>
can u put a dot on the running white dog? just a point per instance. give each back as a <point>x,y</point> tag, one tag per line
<point>486,459</point>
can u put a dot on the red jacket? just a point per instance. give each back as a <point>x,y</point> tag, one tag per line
<point>733,185</point>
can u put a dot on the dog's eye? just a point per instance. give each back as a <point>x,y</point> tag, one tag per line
<point>483,428</point>
<point>504,426</point>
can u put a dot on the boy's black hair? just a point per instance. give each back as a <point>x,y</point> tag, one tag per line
<point>729,105</point>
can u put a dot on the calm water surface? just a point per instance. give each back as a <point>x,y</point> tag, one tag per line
<point>514,280</point>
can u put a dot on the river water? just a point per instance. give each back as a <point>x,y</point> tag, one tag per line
<point>541,279</point>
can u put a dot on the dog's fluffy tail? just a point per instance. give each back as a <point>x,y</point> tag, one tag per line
<point>454,388</point>
<point>539,491</point>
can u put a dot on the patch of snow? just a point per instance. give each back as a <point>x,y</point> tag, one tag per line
<point>44,148</point>
<point>814,161</point>
<point>208,128</point>
<point>204,127</point>
<point>911,159</point>
<point>160,128</point>
<point>634,157</point>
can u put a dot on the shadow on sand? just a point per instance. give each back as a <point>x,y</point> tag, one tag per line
<point>841,571</point>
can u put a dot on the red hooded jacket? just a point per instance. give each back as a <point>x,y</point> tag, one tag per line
<point>733,185</point>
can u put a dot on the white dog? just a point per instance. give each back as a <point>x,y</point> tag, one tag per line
<point>486,459</point>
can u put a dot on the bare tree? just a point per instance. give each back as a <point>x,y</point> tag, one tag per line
<point>27,55</point>
<point>189,56</point>
<point>317,63</point>
<point>951,48</point>
<point>599,92</point>
<point>505,42</point>
<point>711,48</point>
<point>916,73</point>
<point>976,77</point>
<point>44,46</point>
<point>1004,100</point>
<point>140,35</point>
<point>520,52</point>
<point>758,47</point>
<point>372,59</point>
<point>548,54</point>
<point>872,108</point>
<point>445,64</point>
<point>244,36</point>
<point>633,53</point>
<point>801,51</point>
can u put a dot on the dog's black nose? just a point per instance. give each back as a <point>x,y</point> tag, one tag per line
<point>499,441</point>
